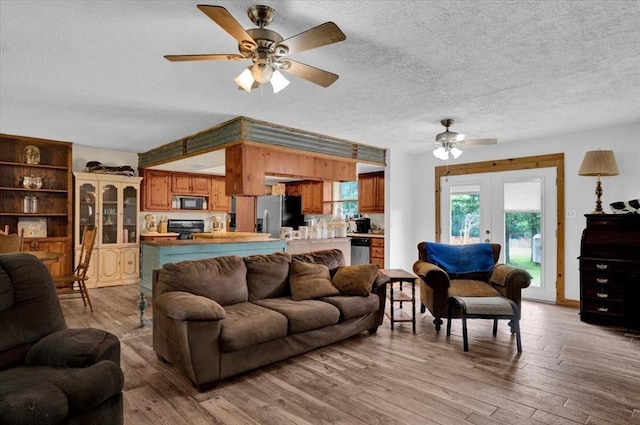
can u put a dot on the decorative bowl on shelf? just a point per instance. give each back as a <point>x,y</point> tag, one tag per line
<point>31,182</point>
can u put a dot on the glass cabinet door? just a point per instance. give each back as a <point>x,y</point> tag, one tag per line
<point>129,215</point>
<point>87,210</point>
<point>109,211</point>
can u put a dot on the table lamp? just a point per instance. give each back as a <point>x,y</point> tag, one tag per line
<point>598,163</point>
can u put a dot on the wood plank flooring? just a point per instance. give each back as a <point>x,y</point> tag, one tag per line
<point>569,373</point>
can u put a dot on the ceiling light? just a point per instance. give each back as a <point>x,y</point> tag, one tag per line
<point>260,73</point>
<point>245,79</point>
<point>278,81</point>
<point>446,151</point>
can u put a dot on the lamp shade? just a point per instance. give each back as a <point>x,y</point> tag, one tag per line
<point>598,163</point>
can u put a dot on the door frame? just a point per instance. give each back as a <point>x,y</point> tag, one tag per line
<point>540,161</point>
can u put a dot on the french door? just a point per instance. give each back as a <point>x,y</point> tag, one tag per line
<point>516,209</point>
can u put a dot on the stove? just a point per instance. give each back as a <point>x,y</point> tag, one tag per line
<point>186,228</point>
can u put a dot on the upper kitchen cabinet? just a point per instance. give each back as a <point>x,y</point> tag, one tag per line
<point>36,193</point>
<point>219,201</point>
<point>371,192</point>
<point>156,191</point>
<point>316,195</point>
<point>190,184</point>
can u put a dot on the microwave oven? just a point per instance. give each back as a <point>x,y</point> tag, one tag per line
<point>192,203</point>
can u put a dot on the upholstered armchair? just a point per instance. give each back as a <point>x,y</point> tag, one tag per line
<point>484,277</point>
<point>50,374</point>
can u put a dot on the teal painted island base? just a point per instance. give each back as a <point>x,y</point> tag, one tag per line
<point>157,253</point>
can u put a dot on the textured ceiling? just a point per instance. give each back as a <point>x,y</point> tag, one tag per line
<point>93,72</point>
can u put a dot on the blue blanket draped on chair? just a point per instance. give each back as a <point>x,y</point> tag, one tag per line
<point>460,259</point>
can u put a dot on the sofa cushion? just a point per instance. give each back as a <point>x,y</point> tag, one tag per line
<point>268,275</point>
<point>332,258</point>
<point>355,280</point>
<point>248,324</point>
<point>351,307</point>
<point>304,315</point>
<point>471,288</point>
<point>40,391</point>
<point>309,281</point>
<point>222,279</point>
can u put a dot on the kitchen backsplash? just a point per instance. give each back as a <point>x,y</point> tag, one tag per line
<point>207,217</point>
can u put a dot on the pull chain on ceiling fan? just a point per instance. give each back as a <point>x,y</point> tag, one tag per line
<point>447,143</point>
<point>268,50</point>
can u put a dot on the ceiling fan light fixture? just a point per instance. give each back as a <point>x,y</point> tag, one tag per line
<point>262,71</point>
<point>441,153</point>
<point>278,81</point>
<point>245,80</point>
<point>455,152</point>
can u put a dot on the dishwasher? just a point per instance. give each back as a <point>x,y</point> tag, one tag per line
<point>360,248</point>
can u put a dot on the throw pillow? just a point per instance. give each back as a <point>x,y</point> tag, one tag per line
<point>309,281</point>
<point>355,280</point>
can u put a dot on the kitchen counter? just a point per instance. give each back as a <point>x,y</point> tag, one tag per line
<point>299,246</point>
<point>207,241</point>
<point>364,235</point>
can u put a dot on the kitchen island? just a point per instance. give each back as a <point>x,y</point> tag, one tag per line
<point>299,246</point>
<point>159,252</point>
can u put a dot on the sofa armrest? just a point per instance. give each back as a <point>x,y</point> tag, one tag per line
<point>380,281</point>
<point>504,275</point>
<point>432,275</point>
<point>184,306</point>
<point>74,348</point>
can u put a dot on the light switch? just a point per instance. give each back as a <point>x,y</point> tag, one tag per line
<point>571,213</point>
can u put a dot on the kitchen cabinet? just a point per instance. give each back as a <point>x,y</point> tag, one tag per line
<point>610,270</point>
<point>316,195</point>
<point>156,191</point>
<point>48,164</point>
<point>371,192</point>
<point>219,201</point>
<point>111,203</point>
<point>190,184</point>
<point>376,255</point>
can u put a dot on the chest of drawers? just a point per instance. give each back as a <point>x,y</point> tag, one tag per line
<point>610,270</point>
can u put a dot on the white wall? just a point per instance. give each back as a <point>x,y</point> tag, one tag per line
<point>579,190</point>
<point>83,154</point>
<point>400,214</point>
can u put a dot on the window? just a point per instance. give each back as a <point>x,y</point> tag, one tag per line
<point>345,199</point>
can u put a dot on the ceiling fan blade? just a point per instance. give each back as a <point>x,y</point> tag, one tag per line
<point>310,73</point>
<point>319,36</point>
<point>182,58</point>
<point>480,141</point>
<point>222,17</point>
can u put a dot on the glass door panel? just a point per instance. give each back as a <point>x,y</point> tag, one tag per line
<point>129,214</point>
<point>87,208</point>
<point>516,209</point>
<point>109,206</point>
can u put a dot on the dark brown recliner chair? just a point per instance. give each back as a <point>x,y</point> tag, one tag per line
<point>50,374</point>
<point>436,285</point>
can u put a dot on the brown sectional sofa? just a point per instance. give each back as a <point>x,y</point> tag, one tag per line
<point>218,317</point>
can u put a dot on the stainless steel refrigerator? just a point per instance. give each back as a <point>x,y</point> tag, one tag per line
<point>276,211</point>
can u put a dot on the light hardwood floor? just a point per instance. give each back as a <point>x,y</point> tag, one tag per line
<point>569,373</point>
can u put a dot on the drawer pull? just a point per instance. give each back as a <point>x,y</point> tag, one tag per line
<point>602,280</point>
<point>602,266</point>
<point>602,295</point>
<point>603,309</point>
<point>129,262</point>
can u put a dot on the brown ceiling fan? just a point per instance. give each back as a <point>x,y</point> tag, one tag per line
<point>447,143</point>
<point>268,50</point>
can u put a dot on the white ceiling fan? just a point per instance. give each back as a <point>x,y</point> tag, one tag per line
<point>447,144</point>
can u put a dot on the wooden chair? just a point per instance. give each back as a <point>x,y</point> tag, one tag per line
<point>74,284</point>
<point>11,243</point>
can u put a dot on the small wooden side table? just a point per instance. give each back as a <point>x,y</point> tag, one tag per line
<point>397,295</point>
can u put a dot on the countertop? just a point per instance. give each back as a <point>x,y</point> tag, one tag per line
<point>208,241</point>
<point>365,235</point>
<point>160,234</point>
<point>325,240</point>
